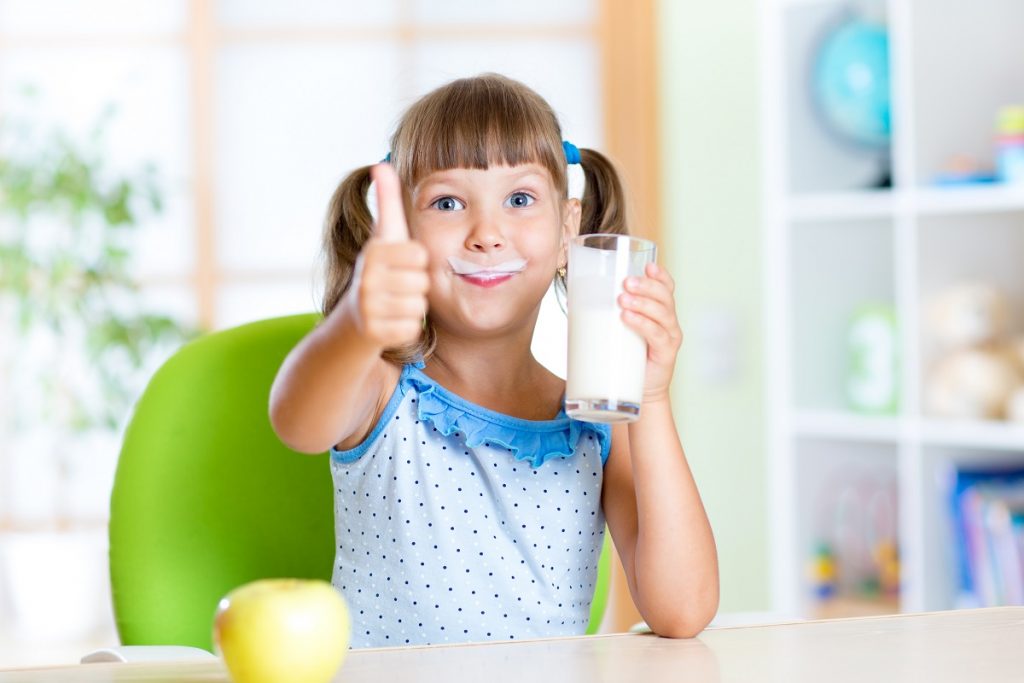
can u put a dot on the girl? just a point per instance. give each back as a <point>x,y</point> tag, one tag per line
<point>467,505</point>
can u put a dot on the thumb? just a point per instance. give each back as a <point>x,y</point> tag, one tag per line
<point>391,226</point>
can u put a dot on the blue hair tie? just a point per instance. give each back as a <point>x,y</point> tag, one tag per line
<point>386,159</point>
<point>572,153</point>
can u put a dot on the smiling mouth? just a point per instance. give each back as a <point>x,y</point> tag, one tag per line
<point>487,279</point>
<point>486,276</point>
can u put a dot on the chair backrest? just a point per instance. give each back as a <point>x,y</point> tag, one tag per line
<point>206,497</point>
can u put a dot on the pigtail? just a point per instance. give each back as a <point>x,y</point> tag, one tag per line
<point>603,207</point>
<point>347,227</point>
<point>604,202</point>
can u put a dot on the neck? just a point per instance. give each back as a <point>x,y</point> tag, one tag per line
<point>497,371</point>
<point>461,363</point>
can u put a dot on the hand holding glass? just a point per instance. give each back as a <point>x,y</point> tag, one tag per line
<point>607,359</point>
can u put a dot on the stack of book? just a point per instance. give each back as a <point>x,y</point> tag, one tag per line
<point>988,519</point>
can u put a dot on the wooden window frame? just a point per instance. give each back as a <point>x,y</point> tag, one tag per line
<point>624,33</point>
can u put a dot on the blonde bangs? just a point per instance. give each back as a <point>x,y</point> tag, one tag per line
<point>476,123</point>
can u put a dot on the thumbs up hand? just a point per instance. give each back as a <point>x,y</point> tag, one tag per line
<point>388,295</point>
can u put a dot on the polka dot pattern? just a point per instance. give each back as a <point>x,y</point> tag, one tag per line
<point>439,542</point>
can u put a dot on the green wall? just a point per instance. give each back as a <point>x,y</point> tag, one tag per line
<point>712,241</point>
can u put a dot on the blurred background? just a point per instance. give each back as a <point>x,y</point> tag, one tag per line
<point>836,185</point>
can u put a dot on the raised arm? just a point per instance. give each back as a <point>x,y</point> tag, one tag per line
<point>330,387</point>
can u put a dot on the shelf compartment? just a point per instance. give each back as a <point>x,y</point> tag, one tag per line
<point>848,501</point>
<point>973,246</point>
<point>965,62</point>
<point>944,586</point>
<point>967,248</point>
<point>818,159</point>
<point>836,269</point>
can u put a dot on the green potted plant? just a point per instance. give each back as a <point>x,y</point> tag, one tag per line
<point>76,342</point>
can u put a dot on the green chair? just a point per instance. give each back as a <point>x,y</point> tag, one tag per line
<point>206,498</point>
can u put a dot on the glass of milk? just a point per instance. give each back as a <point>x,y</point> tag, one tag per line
<point>605,380</point>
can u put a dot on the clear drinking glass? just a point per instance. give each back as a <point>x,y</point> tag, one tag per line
<point>605,380</point>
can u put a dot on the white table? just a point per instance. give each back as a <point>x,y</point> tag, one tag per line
<point>964,646</point>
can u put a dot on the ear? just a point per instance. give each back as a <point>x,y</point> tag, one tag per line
<point>572,212</point>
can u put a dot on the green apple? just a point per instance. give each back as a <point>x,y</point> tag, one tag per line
<point>275,630</point>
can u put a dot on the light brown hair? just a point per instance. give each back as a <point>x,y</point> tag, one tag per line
<point>468,123</point>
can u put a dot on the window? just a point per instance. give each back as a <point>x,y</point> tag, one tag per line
<point>252,112</point>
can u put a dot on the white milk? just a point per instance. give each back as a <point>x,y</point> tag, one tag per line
<point>605,378</point>
<point>606,359</point>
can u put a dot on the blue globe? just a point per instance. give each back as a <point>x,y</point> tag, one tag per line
<point>850,82</point>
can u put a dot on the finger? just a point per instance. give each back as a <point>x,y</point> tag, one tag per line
<point>653,333</point>
<point>662,316</point>
<point>384,308</point>
<point>650,308</point>
<point>387,306</point>
<point>406,282</point>
<point>383,278</point>
<point>653,270</point>
<point>391,225</point>
<point>650,287</point>
<point>396,332</point>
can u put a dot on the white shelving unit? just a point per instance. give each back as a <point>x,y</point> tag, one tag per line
<point>832,244</point>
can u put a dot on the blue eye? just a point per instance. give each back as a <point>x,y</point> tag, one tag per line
<point>519,200</point>
<point>447,204</point>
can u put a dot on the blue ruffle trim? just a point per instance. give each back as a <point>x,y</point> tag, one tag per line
<point>534,441</point>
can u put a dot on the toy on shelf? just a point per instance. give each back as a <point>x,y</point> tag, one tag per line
<point>979,371</point>
<point>822,572</point>
<point>963,170</point>
<point>1010,144</point>
<point>872,384</point>
<point>854,561</point>
<point>1009,165</point>
<point>881,529</point>
<point>850,82</point>
<point>887,559</point>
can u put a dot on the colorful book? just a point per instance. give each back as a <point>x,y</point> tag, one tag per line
<point>987,508</point>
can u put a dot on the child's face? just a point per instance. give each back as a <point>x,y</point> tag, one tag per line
<point>495,239</point>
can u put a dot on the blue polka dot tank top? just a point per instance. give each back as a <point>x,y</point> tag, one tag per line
<point>455,523</point>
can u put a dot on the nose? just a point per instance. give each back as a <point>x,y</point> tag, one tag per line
<point>485,235</point>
